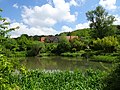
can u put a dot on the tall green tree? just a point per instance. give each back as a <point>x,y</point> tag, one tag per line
<point>100,22</point>
<point>4,28</point>
<point>7,67</point>
<point>23,42</point>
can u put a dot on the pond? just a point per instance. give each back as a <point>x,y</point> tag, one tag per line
<point>62,63</point>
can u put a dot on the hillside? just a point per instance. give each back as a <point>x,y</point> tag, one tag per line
<point>79,32</point>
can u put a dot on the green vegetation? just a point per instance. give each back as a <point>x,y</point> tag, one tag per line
<point>101,22</point>
<point>99,43</point>
<point>47,80</point>
<point>106,58</point>
<point>112,81</point>
<point>74,54</point>
<point>102,37</point>
<point>107,44</point>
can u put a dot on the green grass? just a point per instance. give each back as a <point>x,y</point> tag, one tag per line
<point>74,54</point>
<point>46,54</point>
<point>106,58</point>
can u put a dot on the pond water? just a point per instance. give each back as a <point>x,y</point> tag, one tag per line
<point>62,63</point>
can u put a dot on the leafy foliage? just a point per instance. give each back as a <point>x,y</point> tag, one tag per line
<point>50,47</point>
<point>11,44</point>
<point>23,43</point>
<point>59,80</point>
<point>106,58</point>
<point>36,48</point>
<point>63,45</point>
<point>107,44</point>
<point>7,67</point>
<point>112,81</point>
<point>101,22</point>
<point>77,45</point>
<point>81,32</point>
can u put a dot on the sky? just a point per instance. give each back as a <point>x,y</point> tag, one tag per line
<point>50,17</point>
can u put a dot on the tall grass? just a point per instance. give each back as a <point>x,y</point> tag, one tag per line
<point>106,58</point>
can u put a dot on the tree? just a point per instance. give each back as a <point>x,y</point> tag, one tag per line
<point>101,22</point>
<point>36,48</point>
<point>11,44</point>
<point>63,45</point>
<point>4,30</point>
<point>23,42</point>
<point>7,67</point>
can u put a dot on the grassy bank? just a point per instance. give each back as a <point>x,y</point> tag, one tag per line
<point>106,58</point>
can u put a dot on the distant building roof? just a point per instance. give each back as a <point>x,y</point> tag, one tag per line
<point>56,38</point>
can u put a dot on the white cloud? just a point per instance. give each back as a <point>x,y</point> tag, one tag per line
<point>108,4</point>
<point>47,15</point>
<point>16,5</point>
<point>31,31</point>
<point>117,22</point>
<point>82,25</point>
<point>73,2</point>
<point>40,20</point>
<point>50,2</point>
<point>77,2</point>
<point>78,26</point>
<point>66,29</point>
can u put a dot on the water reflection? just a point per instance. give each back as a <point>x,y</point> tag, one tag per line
<point>61,63</point>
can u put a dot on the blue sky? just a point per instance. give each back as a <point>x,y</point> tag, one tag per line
<point>46,17</point>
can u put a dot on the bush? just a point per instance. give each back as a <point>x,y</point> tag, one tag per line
<point>20,54</point>
<point>112,81</point>
<point>50,47</point>
<point>36,48</point>
<point>107,44</point>
<point>7,67</point>
<point>77,45</point>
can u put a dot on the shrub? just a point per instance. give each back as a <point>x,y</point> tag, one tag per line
<point>36,48</point>
<point>76,45</point>
<point>50,47</point>
<point>112,81</point>
<point>20,54</point>
<point>108,44</point>
<point>7,67</point>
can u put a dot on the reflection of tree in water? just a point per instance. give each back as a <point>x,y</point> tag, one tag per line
<point>49,64</point>
<point>60,63</point>
<point>39,63</point>
<point>32,62</point>
<point>65,64</point>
